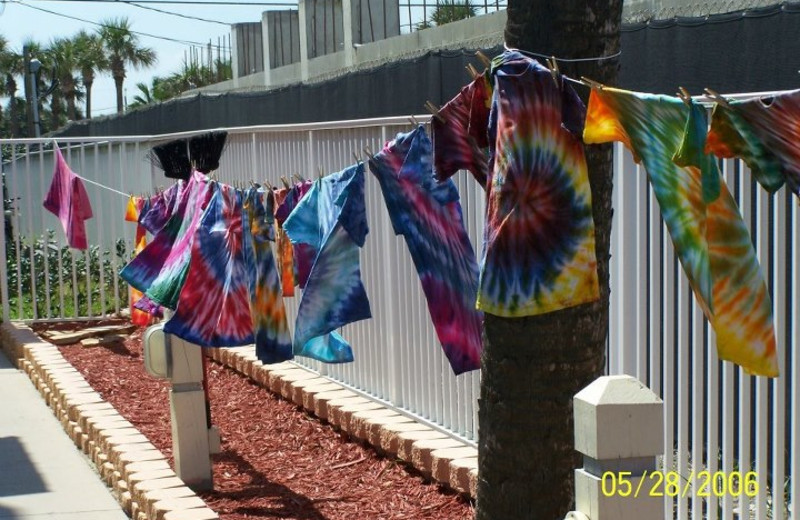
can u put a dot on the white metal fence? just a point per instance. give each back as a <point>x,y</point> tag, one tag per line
<point>717,418</point>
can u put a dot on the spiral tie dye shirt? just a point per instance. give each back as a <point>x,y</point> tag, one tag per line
<point>539,251</point>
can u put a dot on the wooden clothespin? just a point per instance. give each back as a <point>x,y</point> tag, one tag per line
<point>434,110</point>
<point>473,71</point>
<point>552,64</point>
<point>684,95</point>
<point>357,158</point>
<point>285,182</point>
<point>481,56</point>
<point>717,97</point>
<point>368,152</point>
<point>592,83</point>
<point>413,121</point>
<point>298,177</point>
<point>320,175</point>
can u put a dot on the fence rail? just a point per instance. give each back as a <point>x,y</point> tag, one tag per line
<point>716,417</point>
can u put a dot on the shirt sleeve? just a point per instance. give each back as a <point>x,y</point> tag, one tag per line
<point>692,152</point>
<point>460,137</point>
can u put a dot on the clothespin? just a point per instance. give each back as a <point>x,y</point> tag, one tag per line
<point>717,97</point>
<point>473,73</point>
<point>592,83</point>
<point>413,121</point>
<point>368,152</point>
<point>481,56</point>
<point>355,155</point>
<point>552,64</point>
<point>320,175</point>
<point>684,95</point>
<point>434,110</point>
<point>298,177</point>
<point>285,182</point>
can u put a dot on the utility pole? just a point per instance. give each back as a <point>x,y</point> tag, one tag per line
<point>26,53</point>
<point>33,68</point>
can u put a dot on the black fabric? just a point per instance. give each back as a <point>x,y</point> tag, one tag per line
<point>754,50</point>
<point>206,149</point>
<point>173,158</point>
<point>746,51</point>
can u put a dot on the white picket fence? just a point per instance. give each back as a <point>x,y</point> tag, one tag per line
<point>717,418</point>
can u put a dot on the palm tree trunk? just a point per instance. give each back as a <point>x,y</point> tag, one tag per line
<point>525,452</point>
<point>88,84</point>
<point>118,80</point>
<point>11,90</point>
<point>55,111</point>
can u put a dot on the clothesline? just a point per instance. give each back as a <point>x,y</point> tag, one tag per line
<point>109,188</point>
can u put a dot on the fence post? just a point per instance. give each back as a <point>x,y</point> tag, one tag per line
<point>619,429</point>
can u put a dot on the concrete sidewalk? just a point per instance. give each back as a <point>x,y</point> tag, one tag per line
<point>42,474</point>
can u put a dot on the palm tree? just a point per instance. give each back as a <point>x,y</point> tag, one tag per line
<point>91,59</point>
<point>12,65</point>
<point>144,97</point>
<point>447,11</point>
<point>64,59</point>
<point>122,48</point>
<point>533,366</point>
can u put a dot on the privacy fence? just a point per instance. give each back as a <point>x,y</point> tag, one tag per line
<point>717,418</point>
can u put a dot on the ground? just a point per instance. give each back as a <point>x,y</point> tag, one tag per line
<point>277,461</point>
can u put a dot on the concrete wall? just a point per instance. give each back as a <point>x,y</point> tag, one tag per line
<point>633,9</point>
<point>324,26</point>
<point>249,49</point>
<point>375,20</point>
<point>478,32</point>
<point>282,35</point>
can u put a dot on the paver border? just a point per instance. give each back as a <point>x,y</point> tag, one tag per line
<point>92,423</point>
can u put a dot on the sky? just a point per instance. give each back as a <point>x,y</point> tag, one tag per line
<point>19,22</point>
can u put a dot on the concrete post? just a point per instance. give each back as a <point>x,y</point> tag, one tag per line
<point>265,43</point>
<point>234,56</point>
<point>347,25</point>
<point>302,13</point>
<point>619,429</point>
<point>190,432</point>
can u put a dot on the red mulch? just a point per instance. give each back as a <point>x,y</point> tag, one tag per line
<point>277,461</point>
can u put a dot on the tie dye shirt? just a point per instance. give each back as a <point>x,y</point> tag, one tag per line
<point>539,253</point>
<point>302,254</point>
<point>214,304</point>
<point>160,270</point>
<point>711,239</point>
<point>270,327</point>
<point>332,219</point>
<point>139,312</point>
<point>764,133</point>
<point>283,247</point>
<point>459,137</point>
<point>67,199</point>
<point>428,214</point>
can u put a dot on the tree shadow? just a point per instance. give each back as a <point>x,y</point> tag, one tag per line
<point>285,502</point>
<point>20,476</point>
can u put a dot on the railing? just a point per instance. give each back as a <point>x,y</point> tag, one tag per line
<point>398,358</point>
<point>421,14</point>
<point>716,417</point>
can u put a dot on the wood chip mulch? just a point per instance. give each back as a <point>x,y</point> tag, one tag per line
<point>277,461</point>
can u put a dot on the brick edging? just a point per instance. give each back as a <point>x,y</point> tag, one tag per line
<point>136,472</point>
<point>446,460</point>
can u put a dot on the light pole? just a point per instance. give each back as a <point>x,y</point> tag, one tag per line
<point>33,68</point>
